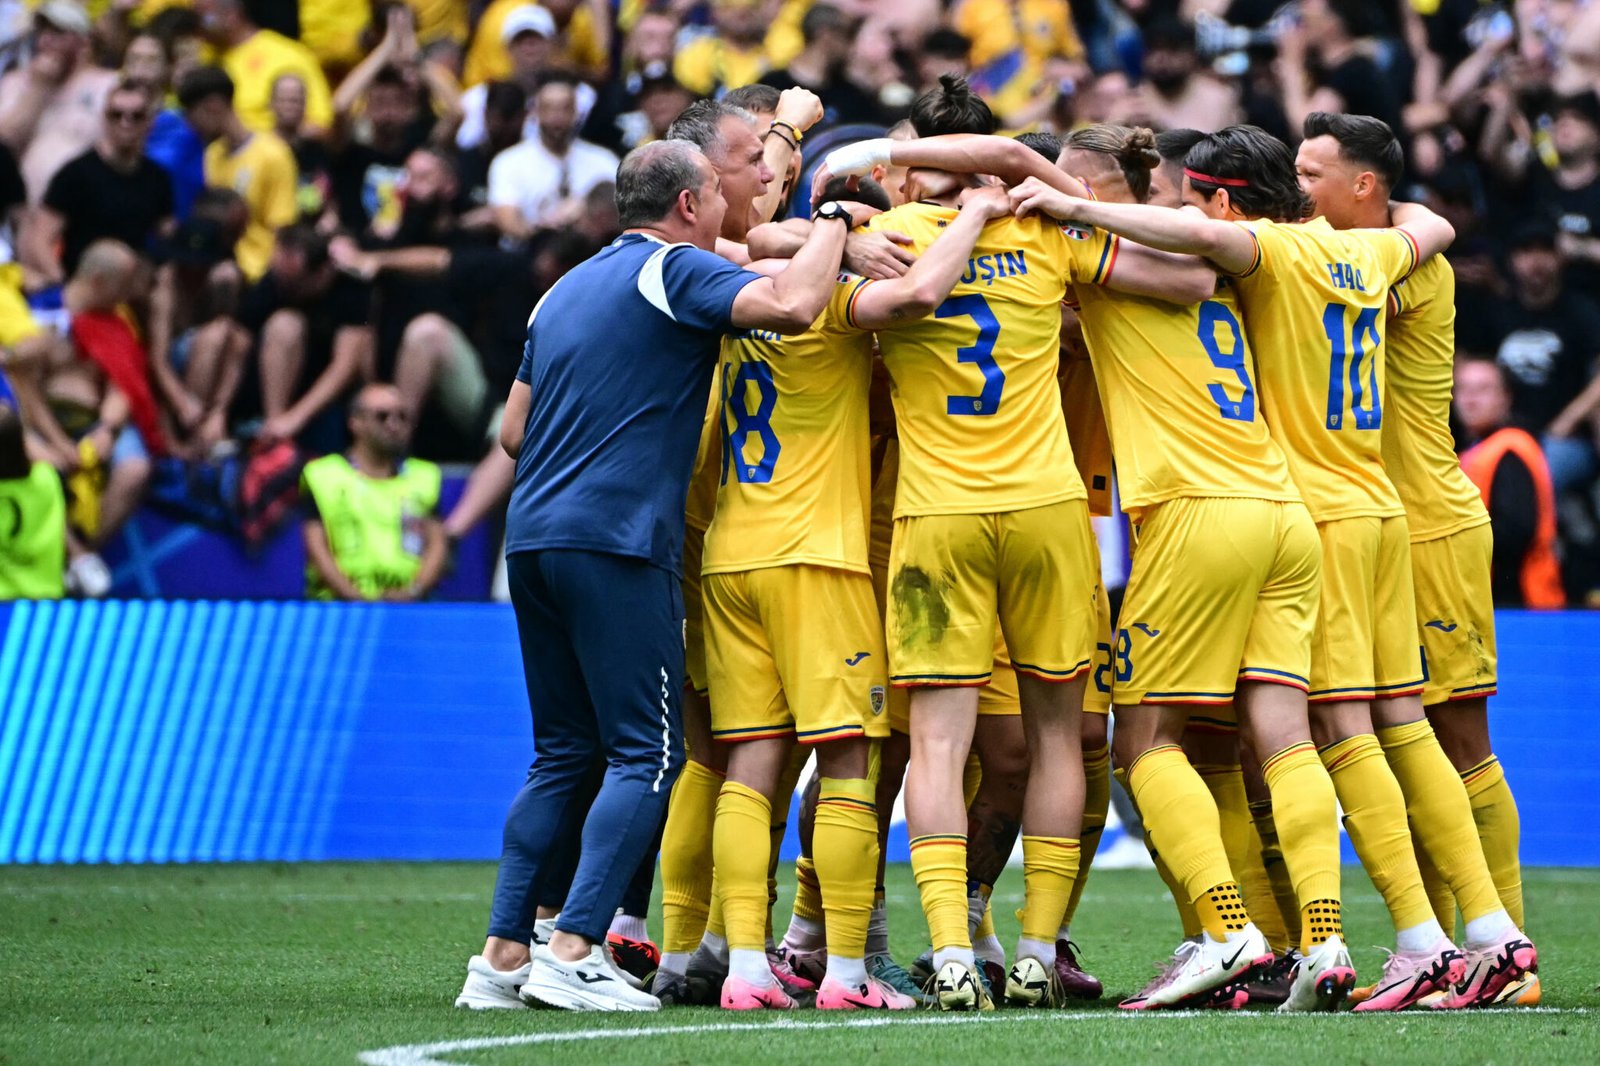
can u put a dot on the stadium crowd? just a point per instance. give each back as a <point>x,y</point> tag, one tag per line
<point>222,221</point>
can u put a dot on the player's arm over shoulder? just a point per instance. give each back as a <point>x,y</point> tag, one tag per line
<point>1141,271</point>
<point>1428,233</point>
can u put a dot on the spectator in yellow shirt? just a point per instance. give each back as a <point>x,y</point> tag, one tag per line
<point>583,42</point>
<point>256,164</point>
<point>255,58</point>
<point>1015,43</point>
<point>732,56</point>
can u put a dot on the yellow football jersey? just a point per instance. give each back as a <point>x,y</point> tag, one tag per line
<point>1178,384</point>
<point>796,470</point>
<point>1313,304</point>
<point>1086,422</point>
<point>976,398</point>
<point>1418,450</point>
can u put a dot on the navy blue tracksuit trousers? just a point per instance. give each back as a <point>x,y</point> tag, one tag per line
<point>602,654</point>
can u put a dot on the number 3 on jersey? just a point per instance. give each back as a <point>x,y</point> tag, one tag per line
<point>981,354</point>
<point>739,422</point>
<point>1345,365</point>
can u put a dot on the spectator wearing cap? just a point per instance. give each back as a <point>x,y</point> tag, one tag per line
<point>823,67</point>
<point>50,108</point>
<point>197,349</point>
<point>1506,464</point>
<point>540,183</point>
<point>256,164</point>
<point>112,191</point>
<point>529,32</point>
<point>254,58</point>
<point>371,529</point>
<point>580,29</point>
<point>1549,338</point>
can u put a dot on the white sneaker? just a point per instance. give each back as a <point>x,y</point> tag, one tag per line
<point>543,930</point>
<point>590,983</point>
<point>1209,965</point>
<point>1322,980</point>
<point>490,989</point>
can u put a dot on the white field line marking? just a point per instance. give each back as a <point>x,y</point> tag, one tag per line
<point>424,1054</point>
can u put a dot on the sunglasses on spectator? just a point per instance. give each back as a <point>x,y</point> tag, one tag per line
<point>118,115</point>
<point>387,414</point>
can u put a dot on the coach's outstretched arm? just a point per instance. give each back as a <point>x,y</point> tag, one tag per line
<point>1231,247</point>
<point>790,301</point>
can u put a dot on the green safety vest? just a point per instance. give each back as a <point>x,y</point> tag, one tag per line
<point>374,525</point>
<point>33,535</point>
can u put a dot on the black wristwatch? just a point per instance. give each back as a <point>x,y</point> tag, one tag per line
<point>833,209</point>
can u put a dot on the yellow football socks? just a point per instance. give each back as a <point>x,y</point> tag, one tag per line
<point>939,865</point>
<point>844,846</point>
<point>1049,866</point>
<point>1440,897</point>
<point>686,857</point>
<point>1259,899</point>
<point>1182,818</point>
<point>1304,814</point>
<point>1226,785</point>
<point>1096,801</point>
<point>740,844</point>
<point>1441,815</point>
<point>807,892</point>
<point>1499,830</point>
<point>1180,895</point>
<point>1375,817</point>
<point>1277,872</point>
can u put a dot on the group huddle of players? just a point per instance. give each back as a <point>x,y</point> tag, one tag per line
<point>914,595</point>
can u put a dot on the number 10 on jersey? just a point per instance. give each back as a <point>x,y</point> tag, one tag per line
<point>1350,347</point>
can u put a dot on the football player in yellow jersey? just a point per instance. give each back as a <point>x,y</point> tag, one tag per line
<point>1348,165</point>
<point>1210,618</point>
<point>991,518</point>
<point>789,539</point>
<point>1314,298</point>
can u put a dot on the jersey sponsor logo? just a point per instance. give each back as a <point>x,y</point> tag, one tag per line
<point>1440,626</point>
<point>1146,630</point>
<point>877,697</point>
<point>996,267</point>
<point>855,659</point>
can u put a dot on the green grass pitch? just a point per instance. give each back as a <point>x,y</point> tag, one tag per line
<point>349,963</point>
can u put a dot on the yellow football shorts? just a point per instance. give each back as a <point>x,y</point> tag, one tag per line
<point>1097,694</point>
<point>794,650</point>
<point>1455,615</point>
<point>952,575</point>
<point>1366,641</point>
<point>1222,590</point>
<point>694,617</point>
<point>16,321</point>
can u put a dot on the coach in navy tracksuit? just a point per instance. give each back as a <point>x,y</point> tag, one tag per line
<point>604,421</point>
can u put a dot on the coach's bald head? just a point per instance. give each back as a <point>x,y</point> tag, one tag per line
<point>670,189</point>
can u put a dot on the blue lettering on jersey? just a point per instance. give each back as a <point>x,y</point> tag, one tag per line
<point>995,267</point>
<point>1346,276</point>
<point>759,335</point>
